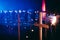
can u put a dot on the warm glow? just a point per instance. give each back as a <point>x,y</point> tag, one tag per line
<point>43,9</point>
<point>43,5</point>
<point>53,20</point>
<point>44,14</point>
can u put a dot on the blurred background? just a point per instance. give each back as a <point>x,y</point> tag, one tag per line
<point>28,11</point>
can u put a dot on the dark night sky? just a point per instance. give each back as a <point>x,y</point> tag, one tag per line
<point>53,5</point>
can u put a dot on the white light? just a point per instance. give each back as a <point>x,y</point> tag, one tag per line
<point>24,11</point>
<point>19,11</point>
<point>36,19</point>
<point>32,30</point>
<point>35,12</point>
<point>53,20</point>
<point>16,11</point>
<point>10,11</point>
<point>5,11</point>
<point>26,36</point>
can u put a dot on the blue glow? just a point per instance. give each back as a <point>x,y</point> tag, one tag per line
<point>16,11</point>
<point>18,4</point>
<point>5,11</point>
<point>10,11</point>
<point>0,11</point>
<point>19,11</point>
<point>9,19</point>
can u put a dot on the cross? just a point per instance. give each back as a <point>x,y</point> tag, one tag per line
<point>42,15</point>
<point>40,25</point>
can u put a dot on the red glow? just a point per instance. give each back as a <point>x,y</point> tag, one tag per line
<point>44,15</point>
<point>43,9</point>
<point>43,5</point>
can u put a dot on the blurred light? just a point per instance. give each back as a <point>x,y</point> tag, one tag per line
<point>53,20</point>
<point>10,21</point>
<point>26,36</point>
<point>31,19</point>
<point>11,28</point>
<point>19,11</point>
<point>7,26</point>
<point>10,11</point>
<point>5,11</point>
<point>35,12</point>
<point>24,27</point>
<point>29,11</point>
<point>14,24</point>
<point>0,11</point>
<point>24,11</point>
<point>44,14</point>
<point>24,22</point>
<point>54,14</point>
<point>16,11</point>
<point>36,19</point>
<point>43,5</point>
<point>5,21</point>
<point>32,30</point>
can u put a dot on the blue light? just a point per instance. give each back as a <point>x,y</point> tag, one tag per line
<point>19,11</point>
<point>14,24</point>
<point>5,11</point>
<point>10,18</point>
<point>10,21</point>
<point>30,11</point>
<point>32,20</point>
<point>6,22</point>
<point>35,12</point>
<point>5,19</point>
<point>0,11</point>
<point>36,19</point>
<point>24,27</point>
<point>16,11</point>
<point>10,11</point>
<point>24,10</point>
